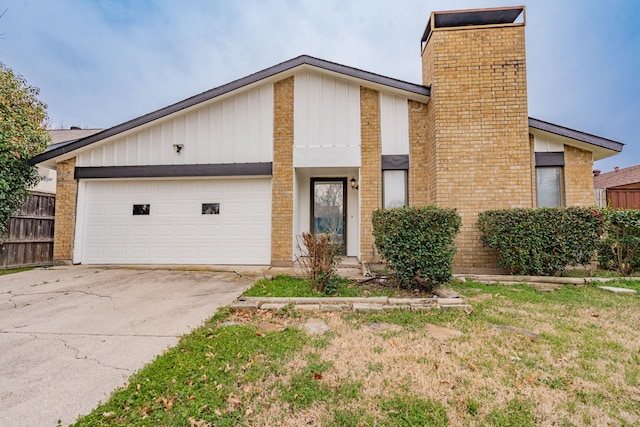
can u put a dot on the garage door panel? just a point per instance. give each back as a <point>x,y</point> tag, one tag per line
<point>163,209</point>
<point>176,231</point>
<point>119,253</point>
<point>210,230</point>
<point>164,230</point>
<point>118,231</point>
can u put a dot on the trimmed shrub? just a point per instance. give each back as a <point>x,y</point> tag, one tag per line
<point>620,247</point>
<point>542,241</point>
<point>417,242</point>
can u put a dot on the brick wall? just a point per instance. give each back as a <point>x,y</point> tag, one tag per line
<point>65,216</point>
<point>419,172</point>
<point>578,177</point>
<point>282,180</point>
<point>478,128</point>
<point>371,168</point>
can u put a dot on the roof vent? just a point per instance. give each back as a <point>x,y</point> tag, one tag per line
<point>616,169</point>
<point>75,128</point>
<point>596,172</point>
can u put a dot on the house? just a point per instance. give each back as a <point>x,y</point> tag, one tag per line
<point>235,174</point>
<point>620,188</point>
<point>48,175</point>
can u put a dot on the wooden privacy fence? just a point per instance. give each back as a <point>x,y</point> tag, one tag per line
<point>29,242</point>
<point>623,198</point>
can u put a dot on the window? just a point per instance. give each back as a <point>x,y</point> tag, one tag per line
<point>211,209</point>
<point>549,185</point>
<point>141,209</point>
<point>394,190</point>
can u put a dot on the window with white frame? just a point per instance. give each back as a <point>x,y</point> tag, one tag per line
<point>394,190</point>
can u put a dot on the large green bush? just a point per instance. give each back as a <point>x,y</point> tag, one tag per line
<point>542,241</point>
<point>620,247</point>
<point>418,243</point>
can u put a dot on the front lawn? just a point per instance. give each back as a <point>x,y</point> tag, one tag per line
<point>287,286</point>
<point>525,358</point>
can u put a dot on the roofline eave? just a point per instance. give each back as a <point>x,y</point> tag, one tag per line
<point>284,67</point>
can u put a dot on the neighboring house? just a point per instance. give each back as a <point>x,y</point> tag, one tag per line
<point>619,188</point>
<point>48,183</point>
<point>234,175</point>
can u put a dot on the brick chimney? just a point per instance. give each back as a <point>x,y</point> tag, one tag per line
<point>478,130</point>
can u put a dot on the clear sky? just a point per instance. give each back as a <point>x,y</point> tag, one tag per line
<point>99,63</point>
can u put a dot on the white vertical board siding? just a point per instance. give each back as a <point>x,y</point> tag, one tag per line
<point>238,129</point>
<point>175,231</point>
<point>326,121</point>
<point>394,123</point>
<point>542,145</point>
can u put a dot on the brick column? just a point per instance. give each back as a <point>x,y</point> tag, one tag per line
<point>420,170</point>
<point>478,128</point>
<point>65,217</point>
<point>282,180</point>
<point>578,174</point>
<point>371,168</point>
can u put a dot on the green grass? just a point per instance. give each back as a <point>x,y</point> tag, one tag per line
<point>14,270</point>
<point>514,413</point>
<point>290,287</point>
<point>412,411</point>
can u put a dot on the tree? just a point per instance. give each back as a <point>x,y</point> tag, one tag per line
<point>23,134</point>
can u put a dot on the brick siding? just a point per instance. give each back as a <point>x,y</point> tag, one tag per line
<point>578,177</point>
<point>371,168</point>
<point>478,128</point>
<point>65,216</point>
<point>282,180</point>
<point>419,176</point>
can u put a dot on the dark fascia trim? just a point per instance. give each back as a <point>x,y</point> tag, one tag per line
<point>550,159</point>
<point>576,134</point>
<point>395,162</point>
<point>229,87</point>
<point>175,171</point>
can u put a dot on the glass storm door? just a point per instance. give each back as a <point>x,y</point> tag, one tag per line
<point>328,209</point>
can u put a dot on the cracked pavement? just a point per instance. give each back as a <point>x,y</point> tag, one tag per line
<point>71,335</point>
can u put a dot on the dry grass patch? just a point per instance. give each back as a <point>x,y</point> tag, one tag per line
<point>582,369</point>
<point>566,358</point>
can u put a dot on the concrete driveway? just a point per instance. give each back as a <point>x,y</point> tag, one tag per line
<point>71,335</point>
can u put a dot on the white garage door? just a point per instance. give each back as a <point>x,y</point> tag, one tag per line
<point>179,225</point>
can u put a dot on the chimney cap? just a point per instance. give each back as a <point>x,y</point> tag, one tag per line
<point>472,17</point>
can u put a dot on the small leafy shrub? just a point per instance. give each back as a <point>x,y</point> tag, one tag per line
<point>417,242</point>
<point>620,247</point>
<point>318,261</point>
<point>542,241</point>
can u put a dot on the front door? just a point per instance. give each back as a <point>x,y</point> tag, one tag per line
<point>329,209</point>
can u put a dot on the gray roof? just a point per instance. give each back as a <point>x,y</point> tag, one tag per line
<point>619,177</point>
<point>65,135</point>
<point>576,134</point>
<point>420,90</point>
<point>221,90</point>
